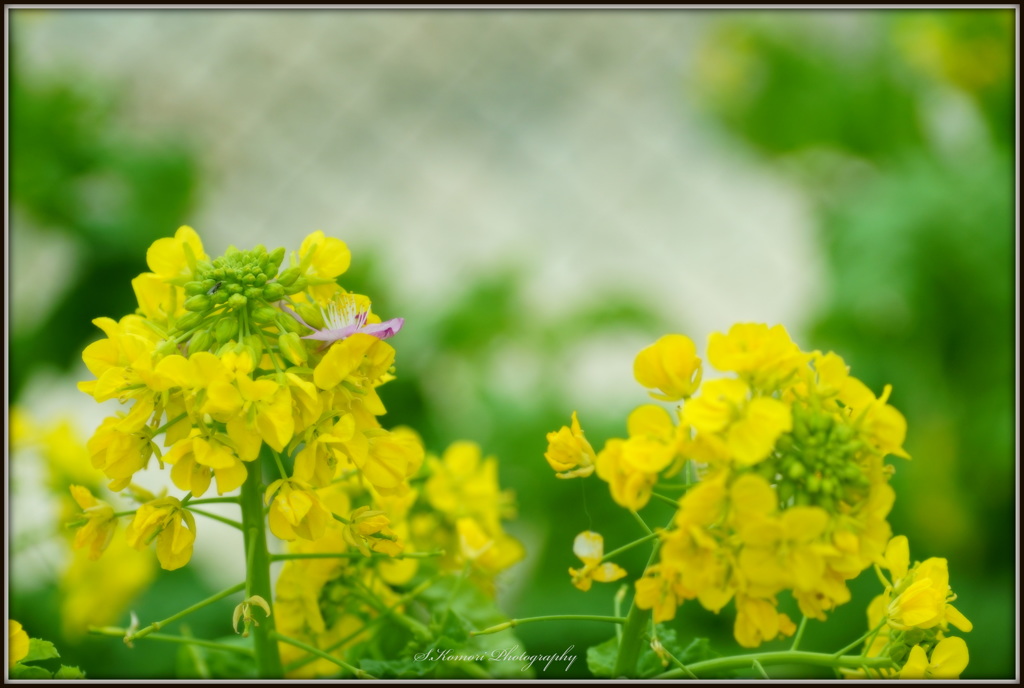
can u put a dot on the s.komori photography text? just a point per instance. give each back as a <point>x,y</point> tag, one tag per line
<point>514,654</point>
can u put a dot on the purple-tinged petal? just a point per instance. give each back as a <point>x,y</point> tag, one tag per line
<point>384,330</point>
<point>334,335</point>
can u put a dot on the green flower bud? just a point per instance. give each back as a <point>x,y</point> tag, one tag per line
<point>273,292</point>
<point>219,298</point>
<point>249,279</point>
<point>828,485</point>
<point>255,346</point>
<point>167,347</point>
<point>288,277</point>
<point>200,341</point>
<point>218,273</point>
<point>786,491</point>
<point>311,314</point>
<point>813,484</point>
<point>261,279</point>
<point>199,302</point>
<point>196,288</point>
<point>226,329</point>
<point>298,285</point>
<point>254,293</point>
<point>188,321</point>
<point>797,471</point>
<point>264,314</point>
<point>293,348</point>
<point>274,259</point>
<point>237,301</point>
<point>286,323</point>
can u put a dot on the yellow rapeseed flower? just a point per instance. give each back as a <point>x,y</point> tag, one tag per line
<point>173,527</point>
<point>99,527</point>
<point>671,366</point>
<point>569,453</point>
<point>948,660</point>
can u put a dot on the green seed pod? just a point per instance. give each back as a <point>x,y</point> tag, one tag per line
<point>311,314</point>
<point>293,348</point>
<point>264,314</point>
<point>198,303</point>
<point>237,301</point>
<point>273,292</point>
<point>188,321</point>
<point>226,329</point>
<point>200,341</point>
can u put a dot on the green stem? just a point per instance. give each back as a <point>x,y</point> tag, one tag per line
<point>858,641</point>
<point>719,664</point>
<point>358,673</point>
<point>667,500</point>
<point>268,658</point>
<point>799,634</point>
<point>213,500</point>
<point>115,632</point>
<point>636,621</point>
<point>216,517</point>
<point>631,545</point>
<point>353,555</point>
<point>511,623</point>
<point>157,625</point>
<point>760,670</point>
<point>643,525</point>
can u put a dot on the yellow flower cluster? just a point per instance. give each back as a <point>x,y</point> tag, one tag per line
<point>792,494</point>
<point>233,356</point>
<point>453,511</point>
<point>911,619</point>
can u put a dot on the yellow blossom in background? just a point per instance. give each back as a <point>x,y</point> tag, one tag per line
<point>589,547</point>
<point>17,642</point>
<point>100,523</point>
<point>96,593</point>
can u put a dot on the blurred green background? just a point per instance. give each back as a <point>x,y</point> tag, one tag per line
<point>541,195</point>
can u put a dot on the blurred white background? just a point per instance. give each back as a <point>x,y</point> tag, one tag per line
<point>453,144</point>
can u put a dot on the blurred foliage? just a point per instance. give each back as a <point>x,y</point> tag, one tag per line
<point>453,383</point>
<point>76,175</point>
<point>902,129</point>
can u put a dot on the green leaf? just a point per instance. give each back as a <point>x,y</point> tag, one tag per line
<point>66,672</point>
<point>601,658</point>
<point>38,650</point>
<point>20,671</point>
